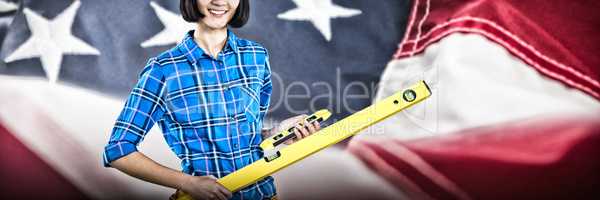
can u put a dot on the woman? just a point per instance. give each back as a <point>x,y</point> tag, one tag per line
<point>209,95</point>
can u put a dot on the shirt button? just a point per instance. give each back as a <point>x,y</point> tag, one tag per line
<point>235,145</point>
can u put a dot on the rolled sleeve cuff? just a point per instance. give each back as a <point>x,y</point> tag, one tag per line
<point>115,151</point>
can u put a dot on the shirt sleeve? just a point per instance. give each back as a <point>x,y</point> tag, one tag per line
<point>143,108</point>
<point>266,90</point>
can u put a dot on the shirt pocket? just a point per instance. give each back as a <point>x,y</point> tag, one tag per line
<point>247,99</point>
<point>252,88</point>
<point>254,75</point>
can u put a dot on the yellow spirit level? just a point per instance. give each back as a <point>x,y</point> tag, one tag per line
<point>270,146</point>
<point>323,138</point>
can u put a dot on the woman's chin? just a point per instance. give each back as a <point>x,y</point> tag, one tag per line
<point>215,26</point>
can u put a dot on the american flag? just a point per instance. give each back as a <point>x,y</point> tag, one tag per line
<point>66,67</point>
<point>514,112</point>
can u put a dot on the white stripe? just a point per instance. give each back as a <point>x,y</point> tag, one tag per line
<point>78,121</point>
<point>474,82</point>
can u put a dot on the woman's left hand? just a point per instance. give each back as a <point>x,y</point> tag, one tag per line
<point>299,130</point>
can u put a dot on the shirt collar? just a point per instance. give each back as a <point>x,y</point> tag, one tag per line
<point>232,41</point>
<point>192,51</point>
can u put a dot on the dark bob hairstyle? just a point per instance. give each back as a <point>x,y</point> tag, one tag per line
<point>189,11</point>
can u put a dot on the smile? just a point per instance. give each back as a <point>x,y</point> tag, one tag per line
<point>217,12</point>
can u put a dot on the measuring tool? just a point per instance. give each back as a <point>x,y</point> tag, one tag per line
<point>272,145</point>
<point>278,158</point>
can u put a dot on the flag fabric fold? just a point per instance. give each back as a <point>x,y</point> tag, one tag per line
<point>514,110</point>
<point>546,158</point>
<point>557,38</point>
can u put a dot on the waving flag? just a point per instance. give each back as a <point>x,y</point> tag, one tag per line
<point>67,65</point>
<point>491,62</point>
<point>514,106</point>
<point>543,158</point>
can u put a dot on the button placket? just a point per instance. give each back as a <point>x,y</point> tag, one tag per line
<point>232,124</point>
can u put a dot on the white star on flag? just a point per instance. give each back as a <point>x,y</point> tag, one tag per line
<point>175,27</point>
<point>7,6</point>
<point>50,39</point>
<point>319,12</point>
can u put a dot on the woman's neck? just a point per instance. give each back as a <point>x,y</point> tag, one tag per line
<point>210,40</point>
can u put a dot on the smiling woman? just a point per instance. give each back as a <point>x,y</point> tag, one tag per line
<point>209,95</point>
<point>191,12</point>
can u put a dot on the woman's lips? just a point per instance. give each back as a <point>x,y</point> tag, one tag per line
<point>216,12</point>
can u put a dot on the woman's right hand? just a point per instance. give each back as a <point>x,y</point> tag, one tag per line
<point>205,187</point>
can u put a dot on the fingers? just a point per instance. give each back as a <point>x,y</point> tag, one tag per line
<point>302,128</point>
<point>306,130</point>
<point>225,192</point>
<point>297,133</point>
<point>311,127</point>
<point>219,195</point>
<point>303,131</point>
<point>218,191</point>
<point>299,127</point>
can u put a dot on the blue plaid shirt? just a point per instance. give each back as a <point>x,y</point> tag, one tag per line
<point>210,110</point>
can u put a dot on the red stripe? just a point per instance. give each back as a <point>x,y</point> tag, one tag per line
<point>387,171</point>
<point>25,176</point>
<point>542,159</point>
<point>424,182</point>
<point>511,44</point>
<point>569,72</point>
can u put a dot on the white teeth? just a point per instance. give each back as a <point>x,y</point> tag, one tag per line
<point>217,12</point>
